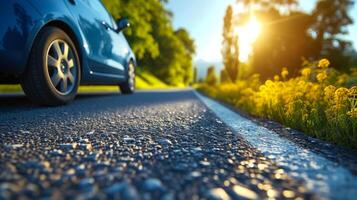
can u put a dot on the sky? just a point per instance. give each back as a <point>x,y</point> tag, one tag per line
<point>204,21</point>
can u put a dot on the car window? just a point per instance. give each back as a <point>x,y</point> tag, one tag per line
<point>101,11</point>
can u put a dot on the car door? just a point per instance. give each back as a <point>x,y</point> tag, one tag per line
<point>96,24</point>
<point>121,49</point>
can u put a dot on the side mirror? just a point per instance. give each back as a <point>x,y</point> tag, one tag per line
<point>122,24</point>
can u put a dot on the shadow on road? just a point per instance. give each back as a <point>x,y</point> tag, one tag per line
<point>98,100</point>
<point>21,102</point>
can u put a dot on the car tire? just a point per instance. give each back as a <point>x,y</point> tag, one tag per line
<point>53,73</point>
<point>128,87</point>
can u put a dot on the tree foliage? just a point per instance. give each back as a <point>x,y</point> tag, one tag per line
<point>139,12</point>
<point>166,52</point>
<point>284,43</point>
<point>230,48</point>
<point>330,20</point>
<point>211,78</point>
<point>270,4</point>
<point>289,36</point>
<point>224,77</point>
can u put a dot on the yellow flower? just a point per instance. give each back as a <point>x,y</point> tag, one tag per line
<point>341,92</point>
<point>341,95</point>
<point>301,83</point>
<point>284,73</point>
<point>352,96</point>
<point>329,92</point>
<point>263,88</point>
<point>269,83</point>
<point>306,72</point>
<point>353,90</point>
<point>353,113</point>
<point>322,76</point>
<point>276,78</point>
<point>324,63</point>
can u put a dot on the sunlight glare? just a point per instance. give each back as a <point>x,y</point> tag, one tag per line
<point>248,34</point>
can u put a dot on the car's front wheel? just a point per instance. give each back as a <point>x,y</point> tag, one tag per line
<point>128,87</point>
<point>53,73</point>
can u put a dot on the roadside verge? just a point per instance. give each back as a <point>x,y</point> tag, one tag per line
<point>321,175</point>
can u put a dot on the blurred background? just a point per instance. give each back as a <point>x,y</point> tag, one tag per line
<point>177,41</point>
<point>269,35</point>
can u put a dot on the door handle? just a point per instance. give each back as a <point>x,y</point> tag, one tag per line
<point>106,26</point>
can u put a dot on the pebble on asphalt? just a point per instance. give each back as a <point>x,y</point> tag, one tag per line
<point>244,192</point>
<point>152,184</point>
<point>165,142</point>
<point>218,194</point>
<point>122,190</point>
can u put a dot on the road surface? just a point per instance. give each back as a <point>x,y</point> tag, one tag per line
<point>150,145</point>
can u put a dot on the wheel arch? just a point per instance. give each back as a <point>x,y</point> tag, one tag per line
<point>69,31</point>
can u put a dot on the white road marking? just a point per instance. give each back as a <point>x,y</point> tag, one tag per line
<point>322,176</point>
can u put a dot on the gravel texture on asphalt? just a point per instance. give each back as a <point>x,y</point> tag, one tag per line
<point>150,145</point>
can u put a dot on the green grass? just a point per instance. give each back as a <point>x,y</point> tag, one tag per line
<point>144,81</point>
<point>101,88</point>
<point>10,89</point>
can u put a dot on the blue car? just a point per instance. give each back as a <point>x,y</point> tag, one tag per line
<point>51,47</point>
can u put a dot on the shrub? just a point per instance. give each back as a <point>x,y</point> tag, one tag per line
<point>316,102</point>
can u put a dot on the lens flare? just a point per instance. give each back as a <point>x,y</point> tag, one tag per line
<point>248,34</point>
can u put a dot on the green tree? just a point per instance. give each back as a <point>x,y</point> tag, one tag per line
<point>285,5</point>
<point>174,66</point>
<point>230,48</point>
<point>165,52</point>
<point>224,78</point>
<point>211,78</point>
<point>186,56</point>
<point>139,12</point>
<point>290,35</point>
<point>284,43</point>
<point>285,39</point>
<point>195,75</point>
<point>331,19</point>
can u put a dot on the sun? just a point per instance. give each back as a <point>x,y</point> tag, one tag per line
<point>248,34</point>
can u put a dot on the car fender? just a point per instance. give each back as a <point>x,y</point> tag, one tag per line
<point>59,14</point>
<point>19,22</point>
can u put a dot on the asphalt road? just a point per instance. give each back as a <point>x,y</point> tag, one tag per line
<point>150,145</point>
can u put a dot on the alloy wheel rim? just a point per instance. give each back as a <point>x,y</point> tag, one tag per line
<point>62,67</point>
<point>131,73</point>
